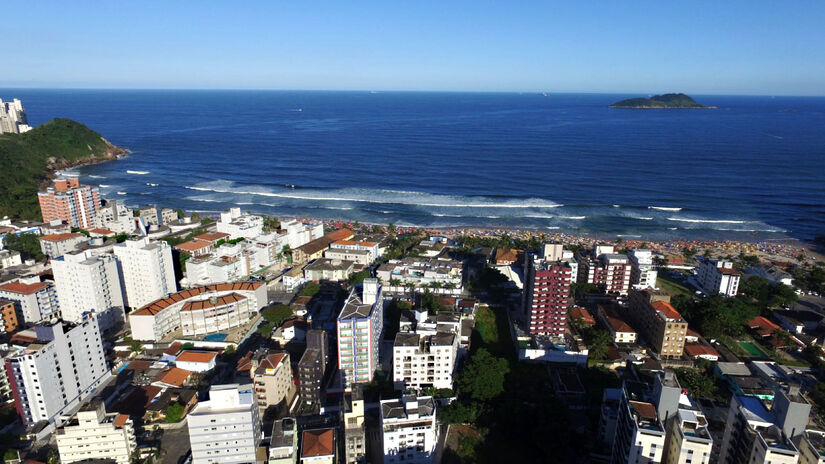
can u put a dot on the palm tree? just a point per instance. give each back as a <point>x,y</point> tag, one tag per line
<point>395,282</point>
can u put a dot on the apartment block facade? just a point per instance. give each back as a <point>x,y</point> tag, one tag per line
<point>147,269</point>
<point>360,326</point>
<point>66,200</point>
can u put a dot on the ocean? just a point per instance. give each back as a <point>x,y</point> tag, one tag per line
<point>753,169</point>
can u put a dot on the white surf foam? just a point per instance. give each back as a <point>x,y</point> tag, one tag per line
<point>707,221</point>
<point>664,208</point>
<point>138,173</point>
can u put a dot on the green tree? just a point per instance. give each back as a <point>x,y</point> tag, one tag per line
<point>53,456</point>
<point>458,412</point>
<point>27,244</point>
<point>358,277</point>
<point>310,289</point>
<point>689,253</point>
<point>135,347</point>
<point>482,379</point>
<point>174,412</point>
<point>599,344</point>
<point>277,314</point>
<point>699,384</point>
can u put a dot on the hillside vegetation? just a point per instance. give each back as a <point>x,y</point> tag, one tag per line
<point>668,100</point>
<point>28,161</point>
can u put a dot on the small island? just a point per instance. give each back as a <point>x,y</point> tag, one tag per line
<point>668,100</point>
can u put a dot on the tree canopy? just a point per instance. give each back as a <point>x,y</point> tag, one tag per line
<point>277,314</point>
<point>482,379</point>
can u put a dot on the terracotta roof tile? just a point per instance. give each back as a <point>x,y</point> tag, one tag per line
<point>193,245</point>
<point>61,237</point>
<point>24,289</point>
<point>668,310</point>
<point>212,236</point>
<point>697,349</point>
<point>121,420</point>
<point>174,376</point>
<point>210,303</point>
<point>159,305</point>
<point>646,410</point>
<point>320,442</point>
<point>196,356</point>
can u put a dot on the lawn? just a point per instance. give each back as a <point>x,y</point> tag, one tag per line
<point>491,332</point>
<point>672,287</point>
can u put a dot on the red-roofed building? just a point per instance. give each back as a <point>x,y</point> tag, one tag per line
<point>658,321</point>
<point>37,301</point>
<point>196,361</point>
<point>172,377</point>
<point>273,380</point>
<point>195,248</point>
<point>762,326</point>
<point>212,237</point>
<point>718,277</point>
<point>697,350</point>
<point>56,245</point>
<point>577,313</point>
<point>619,329</point>
<point>318,446</point>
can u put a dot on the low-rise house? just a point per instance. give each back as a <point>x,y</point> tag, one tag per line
<point>196,361</point>
<point>579,314</point>
<point>799,321</point>
<point>698,350</point>
<point>318,446</point>
<point>620,330</point>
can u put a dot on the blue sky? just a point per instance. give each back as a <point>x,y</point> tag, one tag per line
<point>703,47</point>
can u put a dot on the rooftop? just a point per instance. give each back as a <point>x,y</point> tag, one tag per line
<point>213,302</point>
<point>61,237</point>
<point>159,305</point>
<point>24,289</point>
<point>667,310</point>
<point>395,409</point>
<point>319,442</point>
<point>196,356</point>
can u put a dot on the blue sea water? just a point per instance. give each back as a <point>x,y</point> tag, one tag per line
<point>752,169</point>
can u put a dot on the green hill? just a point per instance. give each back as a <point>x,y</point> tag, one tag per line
<point>28,161</point>
<point>668,100</point>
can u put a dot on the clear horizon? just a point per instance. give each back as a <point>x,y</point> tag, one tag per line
<point>638,47</point>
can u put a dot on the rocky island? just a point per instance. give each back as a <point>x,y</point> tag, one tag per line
<point>668,100</point>
<point>30,159</point>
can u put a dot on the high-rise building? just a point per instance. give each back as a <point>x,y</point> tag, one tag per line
<point>718,277</point>
<point>756,434</point>
<point>66,200</point>
<point>226,429</point>
<point>640,435</point>
<point>9,320</point>
<point>355,437</point>
<point>36,300</point>
<point>547,297</point>
<point>658,321</point>
<point>409,429</point>
<point>95,435</point>
<point>147,269</point>
<point>424,361</point>
<point>360,326</point>
<point>642,272</point>
<point>606,269</point>
<point>53,375</point>
<point>89,284</point>
<point>812,447</point>
<point>13,117</point>
<point>312,367</point>
<point>239,225</point>
<point>273,380</point>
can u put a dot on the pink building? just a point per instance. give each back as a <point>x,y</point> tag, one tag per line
<point>71,202</point>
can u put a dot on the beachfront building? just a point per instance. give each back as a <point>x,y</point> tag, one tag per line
<point>643,273</point>
<point>95,435</point>
<point>409,430</point>
<point>658,322</point>
<point>717,276</point>
<point>359,251</point>
<point>13,117</point>
<point>757,434</point>
<point>115,216</point>
<point>315,249</point>
<point>441,274</point>
<point>36,301</point>
<point>424,361</point>
<point>273,380</point>
<point>55,245</point>
<point>239,225</point>
<point>547,297</point>
<point>226,429</point>
<point>57,370</point>
<point>66,200</point>
<point>208,309</point>
<point>89,284</point>
<point>147,269</point>
<point>360,326</point>
<point>294,233</point>
<point>608,270</point>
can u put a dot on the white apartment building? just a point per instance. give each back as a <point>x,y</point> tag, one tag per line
<point>115,216</point>
<point>95,435</point>
<point>362,257</point>
<point>13,117</point>
<point>209,309</point>
<point>9,258</point>
<point>360,326</point>
<point>688,438</point>
<point>228,263</point>
<point>409,430</point>
<point>52,376</point>
<point>56,245</point>
<point>423,361</point>
<point>718,277</point>
<point>226,429</point>
<point>755,434</point>
<point>296,233</point>
<point>642,272</point>
<point>329,269</point>
<point>37,301</point>
<point>444,273</point>
<point>363,252</point>
<point>147,269</point>
<point>640,436</point>
<point>238,225</point>
<point>87,283</point>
